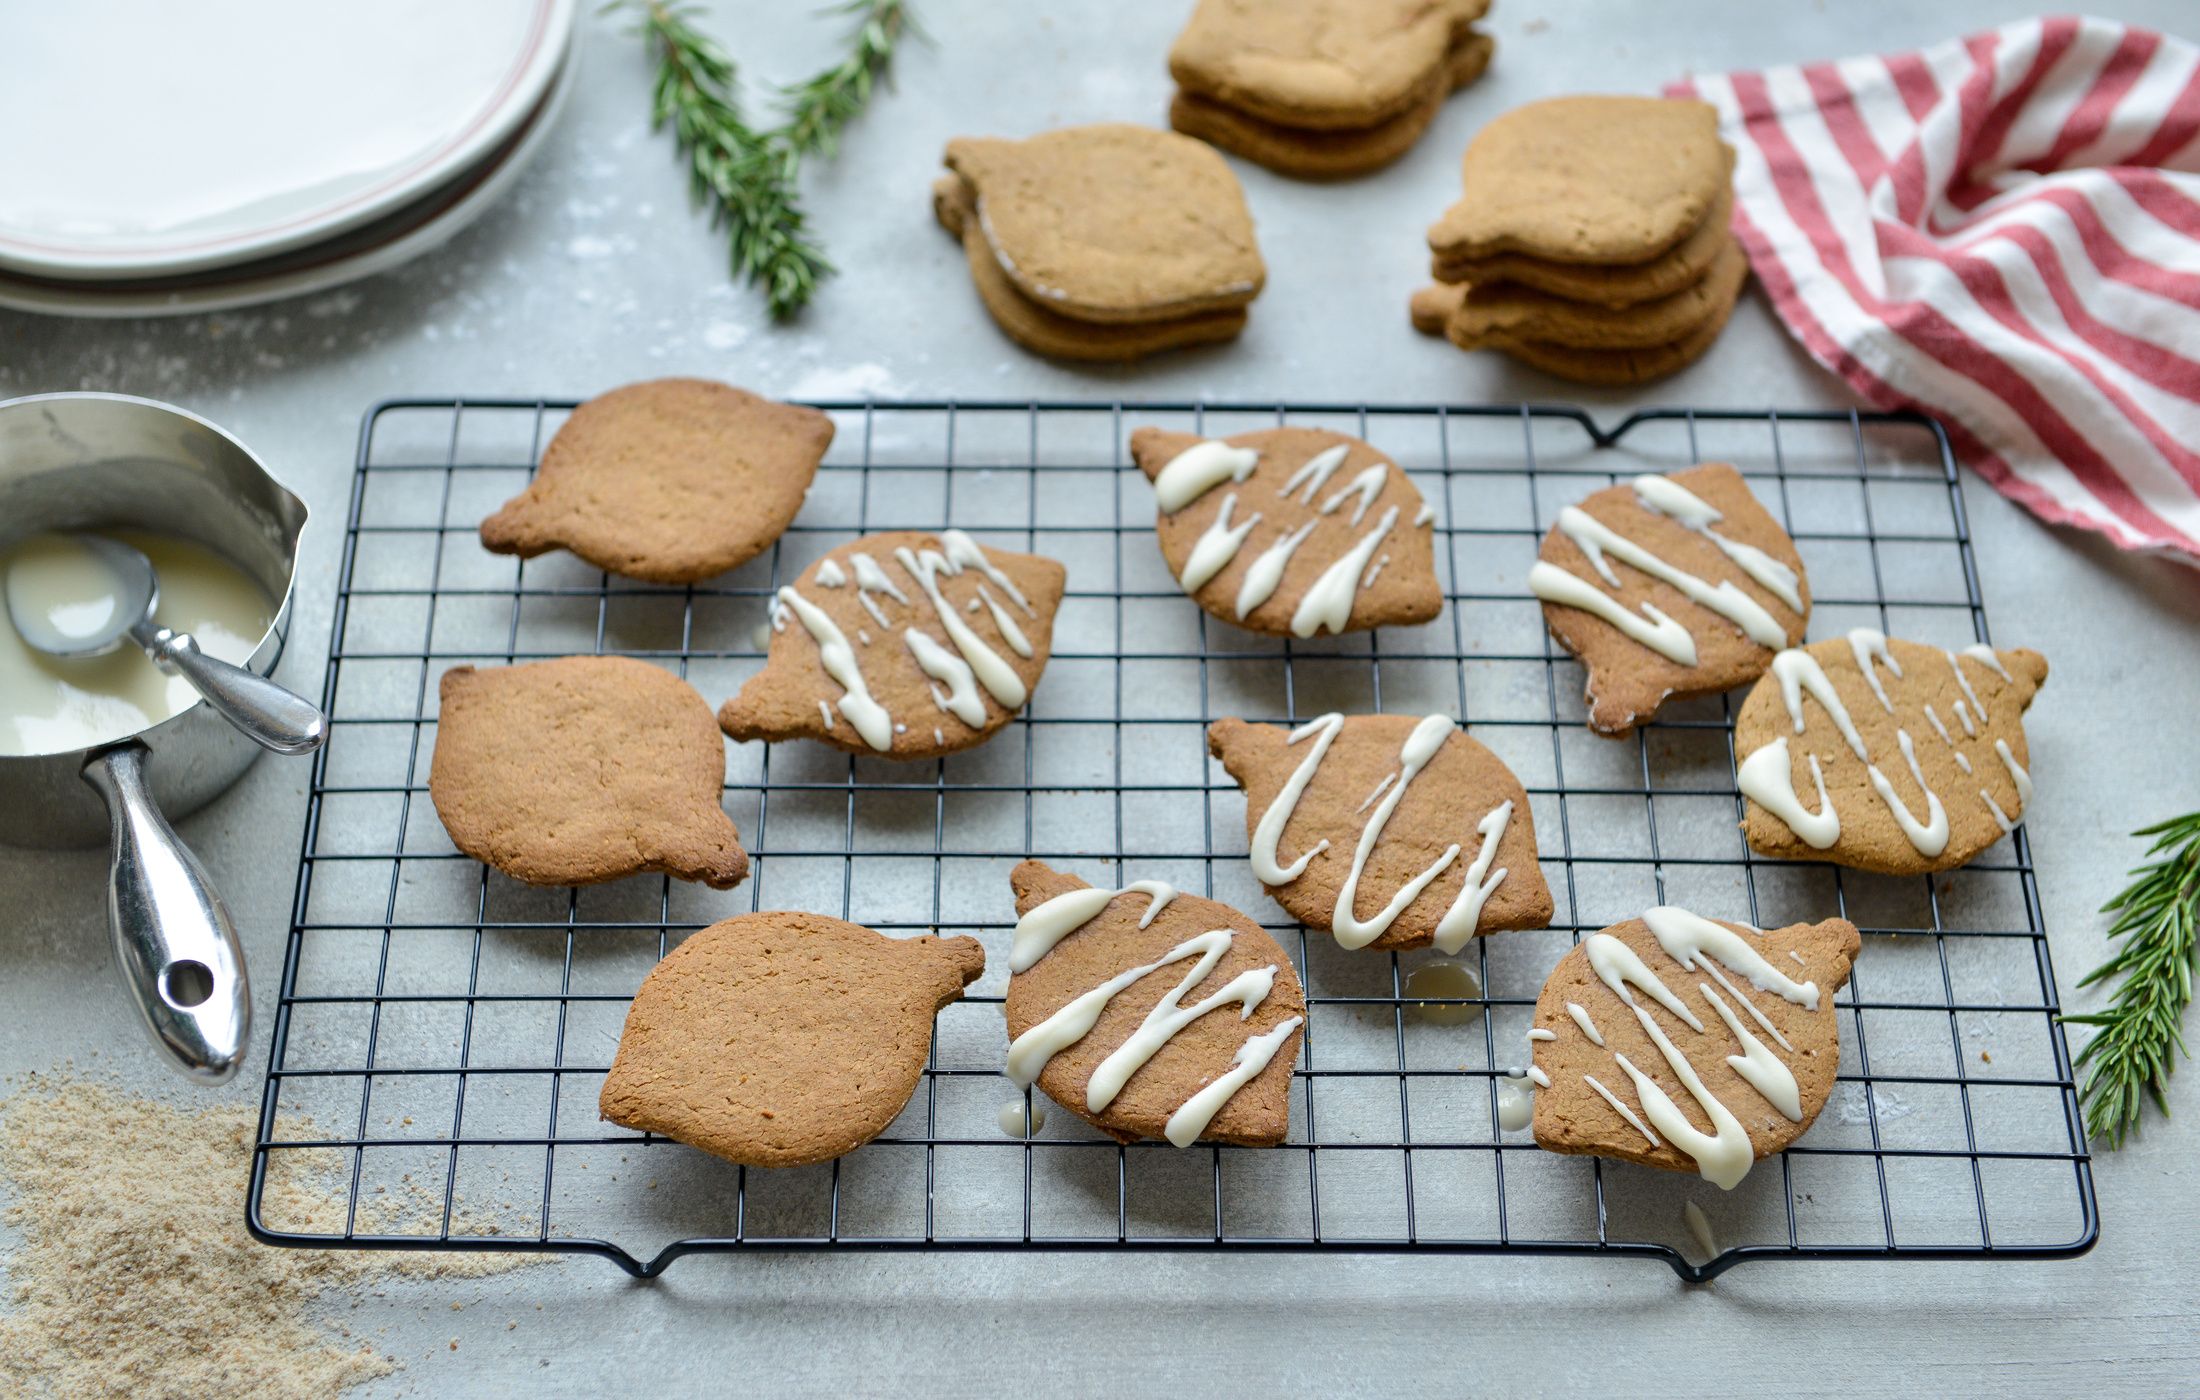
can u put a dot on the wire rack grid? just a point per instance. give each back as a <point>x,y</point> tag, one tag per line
<point>442,1031</point>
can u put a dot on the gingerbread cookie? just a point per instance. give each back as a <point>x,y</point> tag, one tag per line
<point>776,1040</point>
<point>1912,757</point>
<point>1113,223</point>
<point>1408,818</point>
<point>1669,586</point>
<point>583,769</point>
<point>1689,1044</point>
<point>1322,89</point>
<point>1501,316</point>
<point>1151,1014</point>
<point>670,481</point>
<point>1607,284</point>
<point>1617,368</point>
<point>1586,180</point>
<point>1292,531</point>
<point>1040,328</point>
<point>903,645</point>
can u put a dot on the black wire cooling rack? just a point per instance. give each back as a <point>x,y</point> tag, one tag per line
<point>442,1032</point>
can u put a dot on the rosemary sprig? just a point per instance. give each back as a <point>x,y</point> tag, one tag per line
<point>747,177</point>
<point>2155,919</point>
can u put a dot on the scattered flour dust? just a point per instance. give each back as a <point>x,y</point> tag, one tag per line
<point>864,381</point>
<point>133,1274</point>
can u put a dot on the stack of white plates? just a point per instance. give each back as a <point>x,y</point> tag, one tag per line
<point>166,157</point>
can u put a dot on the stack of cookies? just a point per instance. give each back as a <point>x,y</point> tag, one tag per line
<point>1103,242</point>
<point>1591,239</point>
<point>1322,89</point>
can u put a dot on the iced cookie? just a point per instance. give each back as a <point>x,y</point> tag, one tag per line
<point>1112,223</point>
<point>1688,1043</point>
<point>1586,180</point>
<point>1149,1013</point>
<point>670,481</point>
<point>1407,832</point>
<point>1292,531</point>
<point>583,769</point>
<point>903,645</point>
<point>1886,755</point>
<point>1669,586</point>
<point>1322,89</point>
<point>776,1040</point>
<point>1037,327</point>
<point>1608,284</point>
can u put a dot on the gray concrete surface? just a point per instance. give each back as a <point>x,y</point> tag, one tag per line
<point>595,273</point>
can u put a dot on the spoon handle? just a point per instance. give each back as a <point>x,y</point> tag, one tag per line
<point>269,715</point>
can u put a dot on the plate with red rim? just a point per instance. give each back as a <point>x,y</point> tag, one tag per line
<point>158,139</point>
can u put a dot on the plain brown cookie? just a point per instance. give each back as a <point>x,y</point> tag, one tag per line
<point>1443,807</point>
<point>1961,713</point>
<point>1111,943</point>
<point>1586,180</point>
<point>583,769</point>
<point>911,712</point>
<point>781,1039</point>
<point>670,481</point>
<point>1404,587</point>
<point>1319,64</point>
<point>1113,223</point>
<point>1328,153</point>
<point>1627,680</point>
<point>1508,315</point>
<point>1571,1116</point>
<point>1615,284</point>
<point>1047,332</point>
<point>1618,368</point>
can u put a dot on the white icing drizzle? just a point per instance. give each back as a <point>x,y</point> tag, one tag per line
<point>1020,1118</point>
<point>1187,1123</point>
<point>1375,572</point>
<point>1315,472</point>
<point>1722,1158</point>
<point>1930,837</point>
<point>1595,539</point>
<point>1687,938</point>
<point>1540,1034</point>
<point>863,636</point>
<point>1767,777</point>
<point>1798,671</point>
<point>1216,547</point>
<point>961,699</point>
<point>996,675</point>
<point>1380,788</point>
<point>963,551</point>
<point>1246,991</point>
<point>1622,1109</point>
<point>1351,931</point>
<point>1588,1027</point>
<point>1010,632</point>
<point>2017,775</point>
<point>1938,728</point>
<point>1328,603</point>
<point>1465,915</point>
<point>870,578</point>
<point>1965,682</point>
<point>1667,497</point>
<point>1764,1071</point>
<point>1267,568</point>
<point>1985,656</point>
<point>1617,965</point>
<point>830,574</point>
<point>1056,919</point>
<point>1970,730</point>
<point>1368,484</point>
<point>1747,1005</point>
<point>1536,1075</point>
<point>1199,469</point>
<point>826,712</point>
<point>938,737</point>
<point>873,609</point>
<point>2001,818</point>
<point>1870,645</point>
<point>971,606</point>
<point>1661,634</point>
<point>1793,953</point>
<point>1269,831</point>
<point>1426,515</point>
<point>869,717</point>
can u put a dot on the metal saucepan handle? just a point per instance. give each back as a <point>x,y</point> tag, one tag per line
<point>174,943</point>
<point>269,715</point>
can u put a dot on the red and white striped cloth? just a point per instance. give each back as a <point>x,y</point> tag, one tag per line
<point>2002,231</point>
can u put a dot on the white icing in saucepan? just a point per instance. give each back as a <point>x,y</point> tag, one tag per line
<point>1767,775</point>
<point>1048,923</point>
<point>1462,919</point>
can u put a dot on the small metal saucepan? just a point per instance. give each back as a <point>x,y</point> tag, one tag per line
<point>85,461</point>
